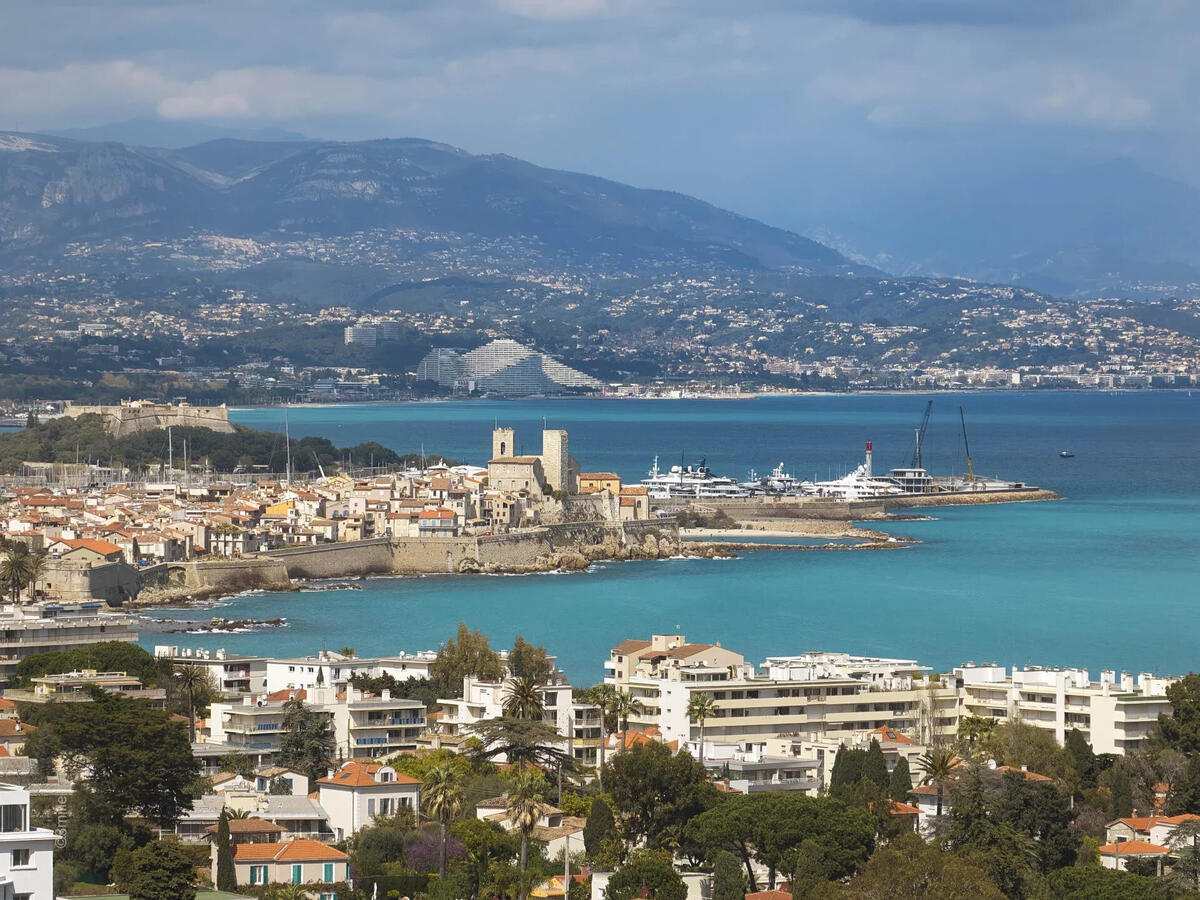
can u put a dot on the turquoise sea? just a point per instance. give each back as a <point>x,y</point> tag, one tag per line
<point>1108,578</point>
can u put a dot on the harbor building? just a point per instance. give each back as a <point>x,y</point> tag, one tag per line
<point>26,852</point>
<point>55,627</point>
<point>1117,714</point>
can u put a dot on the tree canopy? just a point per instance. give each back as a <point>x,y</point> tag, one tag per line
<point>467,653</point>
<point>656,792</point>
<point>139,760</point>
<point>647,873</point>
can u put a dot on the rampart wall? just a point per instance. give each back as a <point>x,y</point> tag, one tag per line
<point>131,418</point>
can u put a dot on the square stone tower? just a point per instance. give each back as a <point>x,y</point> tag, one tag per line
<point>503,441</point>
<point>555,461</point>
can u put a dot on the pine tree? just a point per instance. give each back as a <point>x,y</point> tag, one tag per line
<point>226,873</point>
<point>900,784</point>
<point>1082,758</point>
<point>874,767</point>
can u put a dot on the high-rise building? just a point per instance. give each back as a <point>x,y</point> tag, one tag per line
<point>363,335</point>
<point>503,367</point>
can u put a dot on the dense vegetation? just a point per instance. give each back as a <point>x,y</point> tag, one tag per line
<point>67,440</point>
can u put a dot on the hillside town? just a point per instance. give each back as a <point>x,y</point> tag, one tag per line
<point>300,763</point>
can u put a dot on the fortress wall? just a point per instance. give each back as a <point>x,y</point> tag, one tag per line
<point>432,555</point>
<point>232,574</point>
<point>519,549</point>
<point>125,420</point>
<point>351,558</point>
<point>780,507</point>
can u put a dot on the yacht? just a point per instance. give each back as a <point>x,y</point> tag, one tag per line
<point>690,481</point>
<point>778,482</point>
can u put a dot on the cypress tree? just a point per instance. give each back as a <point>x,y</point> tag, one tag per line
<point>900,784</point>
<point>729,883</point>
<point>874,767</point>
<point>600,826</point>
<point>226,873</point>
<point>1082,758</point>
<point>847,770</point>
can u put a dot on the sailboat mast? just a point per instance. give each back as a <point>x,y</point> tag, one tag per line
<point>170,452</point>
<point>287,438</point>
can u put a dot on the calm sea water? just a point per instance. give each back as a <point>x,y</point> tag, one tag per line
<point>1109,578</point>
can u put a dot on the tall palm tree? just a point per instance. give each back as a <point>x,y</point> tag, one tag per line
<point>35,571</point>
<point>939,766</point>
<point>524,805</point>
<point>442,797</point>
<point>193,681</point>
<point>523,699</point>
<point>700,707</point>
<point>602,695</point>
<point>626,705</point>
<point>14,571</point>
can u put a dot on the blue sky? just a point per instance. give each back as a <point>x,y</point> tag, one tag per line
<point>794,112</point>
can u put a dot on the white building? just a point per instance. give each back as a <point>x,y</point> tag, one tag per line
<point>358,792</point>
<point>813,695</point>
<point>1115,714</point>
<point>330,668</point>
<point>26,853</point>
<point>578,723</point>
<point>232,673</point>
<point>53,627</point>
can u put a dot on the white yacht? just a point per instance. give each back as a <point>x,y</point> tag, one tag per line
<point>778,482</point>
<point>690,482</point>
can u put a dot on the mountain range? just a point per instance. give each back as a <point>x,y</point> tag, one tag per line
<point>57,191</point>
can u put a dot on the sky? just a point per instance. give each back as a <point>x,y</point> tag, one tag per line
<point>794,111</point>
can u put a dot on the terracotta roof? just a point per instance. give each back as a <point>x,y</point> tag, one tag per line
<point>249,826</point>
<point>297,850</point>
<point>769,895</point>
<point>633,491</point>
<point>15,728</point>
<point>1029,776</point>
<point>287,694</point>
<point>523,460</point>
<point>596,476</point>
<point>104,548</point>
<point>890,735</point>
<point>630,646</point>
<point>5,703</point>
<point>355,774</point>
<point>1134,848</point>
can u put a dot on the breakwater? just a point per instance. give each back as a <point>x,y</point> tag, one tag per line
<point>973,498</point>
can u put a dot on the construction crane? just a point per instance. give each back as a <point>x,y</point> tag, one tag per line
<point>966,446</point>
<point>916,458</point>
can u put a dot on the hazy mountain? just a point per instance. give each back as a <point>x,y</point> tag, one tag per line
<point>54,190</point>
<point>151,132</point>
<point>1085,231</point>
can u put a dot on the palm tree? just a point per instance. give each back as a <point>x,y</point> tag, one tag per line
<point>602,695</point>
<point>700,707</point>
<point>442,797</point>
<point>975,727</point>
<point>14,571</point>
<point>939,766</point>
<point>524,805</point>
<point>290,892</point>
<point>523,699</point>
<point>35,571</point>
<point>192,681</point>
<point>626,705</point>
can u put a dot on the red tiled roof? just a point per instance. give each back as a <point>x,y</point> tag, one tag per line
<point>293,850</point>
<point>1134,848</point>
<point>630,646</point>
<point>885,733</point>
<point>355,774</point>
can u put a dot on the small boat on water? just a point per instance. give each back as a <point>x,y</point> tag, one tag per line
<point>1065,454</point>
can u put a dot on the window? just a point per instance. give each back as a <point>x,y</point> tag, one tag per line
<point>12,817</point>
<point>370,806</point>
<point>297,874</point>
<point>328,873</point>
<point>20,857</point>
<point>258,874</point>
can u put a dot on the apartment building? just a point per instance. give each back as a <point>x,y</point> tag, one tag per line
<point>330,668</point>
<point>232,673</point>
<point>578,723</point>
<point>1116,714</point>
<point>812,695</point>
<point>26,852</point>
<point>54,627</point>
